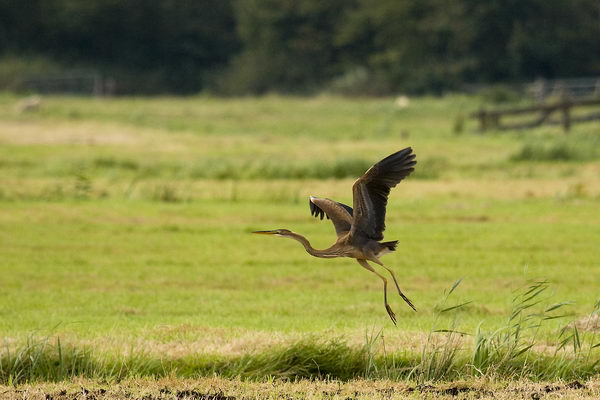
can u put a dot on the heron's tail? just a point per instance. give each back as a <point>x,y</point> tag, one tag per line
<point>387,247</point>
<point>391,246</point>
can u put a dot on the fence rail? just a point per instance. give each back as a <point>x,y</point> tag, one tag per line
<point>84,83</point>
<point>491,119</point>
<point>573,88</point>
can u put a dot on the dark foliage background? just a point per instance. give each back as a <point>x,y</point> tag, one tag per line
<point>301,46</point>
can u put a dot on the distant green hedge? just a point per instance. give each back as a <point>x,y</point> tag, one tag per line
<point>349,46</point>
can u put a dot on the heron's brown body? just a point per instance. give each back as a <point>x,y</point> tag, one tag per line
<point>360,229</point>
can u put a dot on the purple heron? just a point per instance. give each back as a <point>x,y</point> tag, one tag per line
<point>360,230</point>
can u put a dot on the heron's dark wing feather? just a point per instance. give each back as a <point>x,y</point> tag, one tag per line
<point>340,214</point>
<point>371,192</point>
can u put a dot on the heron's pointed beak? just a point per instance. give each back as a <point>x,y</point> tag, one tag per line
<point>265,232</point>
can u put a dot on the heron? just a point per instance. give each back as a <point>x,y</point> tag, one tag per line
<point>360,228</point>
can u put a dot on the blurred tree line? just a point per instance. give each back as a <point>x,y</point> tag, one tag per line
<point>299,46</point>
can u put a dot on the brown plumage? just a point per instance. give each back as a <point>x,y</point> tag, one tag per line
<point>360,229</point>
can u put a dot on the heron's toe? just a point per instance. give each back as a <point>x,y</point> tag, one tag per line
<point>409,302</point>
<point>391,313</point>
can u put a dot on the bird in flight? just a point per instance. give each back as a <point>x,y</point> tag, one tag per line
<point>360,229</point>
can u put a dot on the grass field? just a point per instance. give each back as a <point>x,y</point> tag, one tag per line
<point>125,229</point>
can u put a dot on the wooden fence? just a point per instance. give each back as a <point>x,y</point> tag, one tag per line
<point>573,88</point>
<point>491,119</point>
<point>542,90</point>
<point>75,82</point>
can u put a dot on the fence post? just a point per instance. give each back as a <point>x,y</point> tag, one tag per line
<point>482,114</point>
<point>566,115</point>
<point>97,85</point>
<point>538,89</point>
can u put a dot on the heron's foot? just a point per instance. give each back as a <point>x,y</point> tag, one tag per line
<point>407,300</point>
<point>390,313</point>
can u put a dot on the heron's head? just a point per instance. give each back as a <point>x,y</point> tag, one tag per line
<point>275,232</point>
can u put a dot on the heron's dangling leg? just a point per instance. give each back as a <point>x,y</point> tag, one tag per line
<point>406,299</point>
<point>365,265</point>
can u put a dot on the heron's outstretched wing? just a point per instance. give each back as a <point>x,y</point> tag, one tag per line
<point>340,214</point>
<point>371,192</point>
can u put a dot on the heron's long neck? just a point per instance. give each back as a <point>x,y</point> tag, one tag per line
<point>326,253</point>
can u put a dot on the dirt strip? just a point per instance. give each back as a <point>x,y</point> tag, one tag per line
<point>225,389</point>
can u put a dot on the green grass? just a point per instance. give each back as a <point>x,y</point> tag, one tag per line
<point>127,267</point>
<point>505,353</point>
<point>125,230</point>
<point>266,138</point>
<point>578,147</point>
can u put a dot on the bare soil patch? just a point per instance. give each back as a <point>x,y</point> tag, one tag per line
<point>225,389</point>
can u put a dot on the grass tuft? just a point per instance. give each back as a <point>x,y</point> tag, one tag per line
<point>573,147</point>
<point>48,359</point>
<point>309,358</point>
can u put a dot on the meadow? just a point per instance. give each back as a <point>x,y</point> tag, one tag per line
<point>126,245</point>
